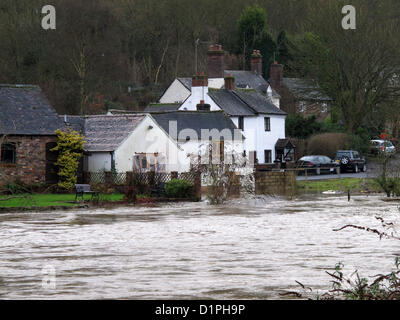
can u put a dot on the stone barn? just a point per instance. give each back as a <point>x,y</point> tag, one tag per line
<point>27,134</point>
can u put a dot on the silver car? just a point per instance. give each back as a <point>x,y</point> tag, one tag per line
<point>382,146</point>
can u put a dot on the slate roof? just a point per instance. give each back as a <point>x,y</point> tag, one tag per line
<point>162,107</point>
<point>24,110</point>
<point>106,133</point>
<point>244,102</point>
<point>230,103</point>
<point>187,82</point>
<point>243,79</point>
<point>258,102</point>
<point>305,89</point>
<point>248,80</point>
<point>76,123</point>
<point>196,120</point>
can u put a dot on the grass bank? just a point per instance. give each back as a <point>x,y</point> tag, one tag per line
<point>354,184</point>
<point>49,200</point>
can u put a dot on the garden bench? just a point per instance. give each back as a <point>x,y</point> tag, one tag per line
<point>82,189</point>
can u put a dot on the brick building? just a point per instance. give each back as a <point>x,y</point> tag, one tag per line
<point>300,96</point>
<point>27,134</point>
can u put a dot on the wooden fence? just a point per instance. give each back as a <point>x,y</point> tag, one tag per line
<point>145,180</point>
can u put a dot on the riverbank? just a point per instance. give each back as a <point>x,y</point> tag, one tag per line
<point>49,200</point>
<point>355,185</point>
<point>60,202</point>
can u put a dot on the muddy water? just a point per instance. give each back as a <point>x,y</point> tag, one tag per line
<point>249,249</point>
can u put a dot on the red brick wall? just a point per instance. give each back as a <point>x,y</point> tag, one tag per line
<point>30,166</point>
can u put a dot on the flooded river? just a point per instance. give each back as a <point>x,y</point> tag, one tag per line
<point>248,249</point>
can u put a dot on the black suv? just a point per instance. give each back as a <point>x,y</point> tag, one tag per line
<point>351,160</point>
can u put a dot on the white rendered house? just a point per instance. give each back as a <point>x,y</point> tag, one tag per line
<point>162,142</point>
<point>262,122</point>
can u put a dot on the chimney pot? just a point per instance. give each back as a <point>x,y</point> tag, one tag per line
<point>229,82</point>
<point>256,62</point>
<point>200,80</point>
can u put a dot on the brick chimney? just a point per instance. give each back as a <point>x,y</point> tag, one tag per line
<point>256,62</point>
<point>200,80</point>
<point>215,61</point>
<point>202,106</point>
<point>199,87</point>
<point>276,76</point>
<point>229,82</point>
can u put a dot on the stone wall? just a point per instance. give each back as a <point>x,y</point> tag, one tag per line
<point>30,166</point>
<point>275,183</point>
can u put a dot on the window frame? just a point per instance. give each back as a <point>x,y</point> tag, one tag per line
<point>267,124</point>
<point>269,152</point>
<point>241,123</point>
<point>3,151</point>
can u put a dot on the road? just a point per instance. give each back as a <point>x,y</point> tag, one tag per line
<point>374,170</point>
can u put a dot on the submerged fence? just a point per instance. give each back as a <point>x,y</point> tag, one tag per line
<point>145,180</point>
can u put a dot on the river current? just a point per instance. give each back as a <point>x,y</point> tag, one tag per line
<point>245,249</point>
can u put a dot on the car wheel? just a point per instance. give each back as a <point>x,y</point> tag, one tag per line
<point>356,168</point>
<point>345,160</point>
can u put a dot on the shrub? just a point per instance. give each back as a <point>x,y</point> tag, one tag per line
<point>178,189</point>
<point>327,144</point>
<point>70,148</point>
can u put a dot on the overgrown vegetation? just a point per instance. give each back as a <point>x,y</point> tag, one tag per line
<point>325,138</point>
<point>70,150</point>
<point>389,178</point>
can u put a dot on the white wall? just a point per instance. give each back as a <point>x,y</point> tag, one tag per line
<point>198,94</point>
<point>257,139</point>
<point>176,93</point>
<point>150,141</point>
<point>266,140</point>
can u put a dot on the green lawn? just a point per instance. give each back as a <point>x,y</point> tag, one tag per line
<point>49,200</point>
<point>354,184</point>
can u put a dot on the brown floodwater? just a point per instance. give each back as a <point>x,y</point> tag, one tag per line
<point>246,249</point>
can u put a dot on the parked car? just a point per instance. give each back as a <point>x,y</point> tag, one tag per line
<point>382,146</point>
<point>351,160</point>
<point>318,164</point>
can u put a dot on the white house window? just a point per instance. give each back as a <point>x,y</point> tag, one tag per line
<point>145,162</point>
<point>267,156</point>
<point>8,153</point>
<point>303,106</point>
<point>324,107</point>
<point>267,124</point>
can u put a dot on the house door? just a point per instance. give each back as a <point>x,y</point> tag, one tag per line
<point>51,169</point>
